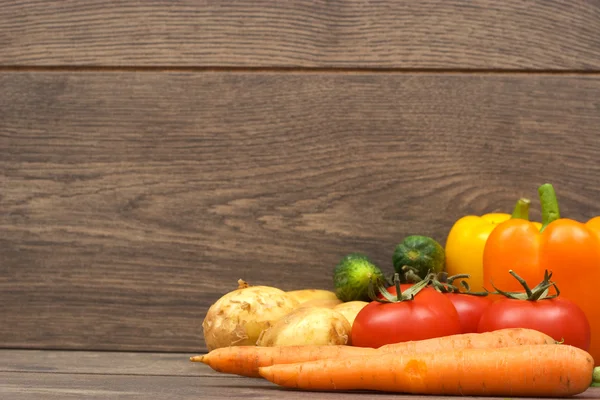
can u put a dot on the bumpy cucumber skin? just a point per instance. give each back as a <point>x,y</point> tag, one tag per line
<point>352,275</point>
<point>420,252</point>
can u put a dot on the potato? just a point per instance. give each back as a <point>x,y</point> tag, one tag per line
<point>327,303</point>
<point>305,295</point>
<point>308,326</point>
<point>239,317</point>
<point>350,309</point>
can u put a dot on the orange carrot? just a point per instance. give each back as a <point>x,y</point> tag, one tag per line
<point>245,360</point>
<point>552,370</point>
<point>494,339</point>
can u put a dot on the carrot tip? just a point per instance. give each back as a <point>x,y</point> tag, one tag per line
<point>265,372</point>
<point>197,359</point>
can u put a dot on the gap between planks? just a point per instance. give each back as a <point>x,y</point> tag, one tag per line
<point>299,70</point>
<point>75,362</point>
<point>198,375</point>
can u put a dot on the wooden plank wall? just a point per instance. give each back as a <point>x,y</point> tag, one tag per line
<point>152,153</point>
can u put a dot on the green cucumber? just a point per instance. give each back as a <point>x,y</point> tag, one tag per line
<point>352,275</point>
<point>422,253</point>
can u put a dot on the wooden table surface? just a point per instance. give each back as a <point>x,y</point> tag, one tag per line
<point>35,374</point>
<point>153,153</point>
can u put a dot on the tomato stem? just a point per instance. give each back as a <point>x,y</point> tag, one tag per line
<point>522,282</point>
<point>397,283</point>
<point>445,284</point>
<point>539,292</point>
<point>439,281</point>
<point>408,295</point>
<point>411,274</point>
<point>452,278</point>
<point>521,210</point>
<point>549,204</point>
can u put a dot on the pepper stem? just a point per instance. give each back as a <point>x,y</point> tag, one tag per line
<point>521,210</point>
<point>549,204</point>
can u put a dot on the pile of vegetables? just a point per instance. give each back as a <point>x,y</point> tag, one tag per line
<point>507,362</point>
<point>498,312</point>
<point>268,316</point>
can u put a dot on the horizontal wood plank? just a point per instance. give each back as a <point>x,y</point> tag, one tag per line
<point>103,363</point>
<point>429,34</point>
<point>50,386</point>
<point>99,381</point>
<point>131,201</point>
<point>17,386</point>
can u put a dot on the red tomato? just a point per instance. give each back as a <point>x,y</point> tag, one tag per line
<point>470,308</point>
<point>430,314</point>
<point>559,318</point>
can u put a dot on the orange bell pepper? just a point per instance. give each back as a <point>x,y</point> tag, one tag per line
<point>568,248</point>
<point>466,240</point>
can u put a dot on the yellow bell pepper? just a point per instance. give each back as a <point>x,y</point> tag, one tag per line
<point>466,240</point>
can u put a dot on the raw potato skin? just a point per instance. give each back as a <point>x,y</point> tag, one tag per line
<point>327,303</point>
<point>308,326</point>
<point>350,309</point>
<point>304,295</point>
<point>239,317</point>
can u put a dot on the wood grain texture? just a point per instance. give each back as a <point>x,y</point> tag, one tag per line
<point>18,386</point>
<point>103,363</point>
<point>431,34</point>
<point>70,378</point>
<point>131,201</point>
